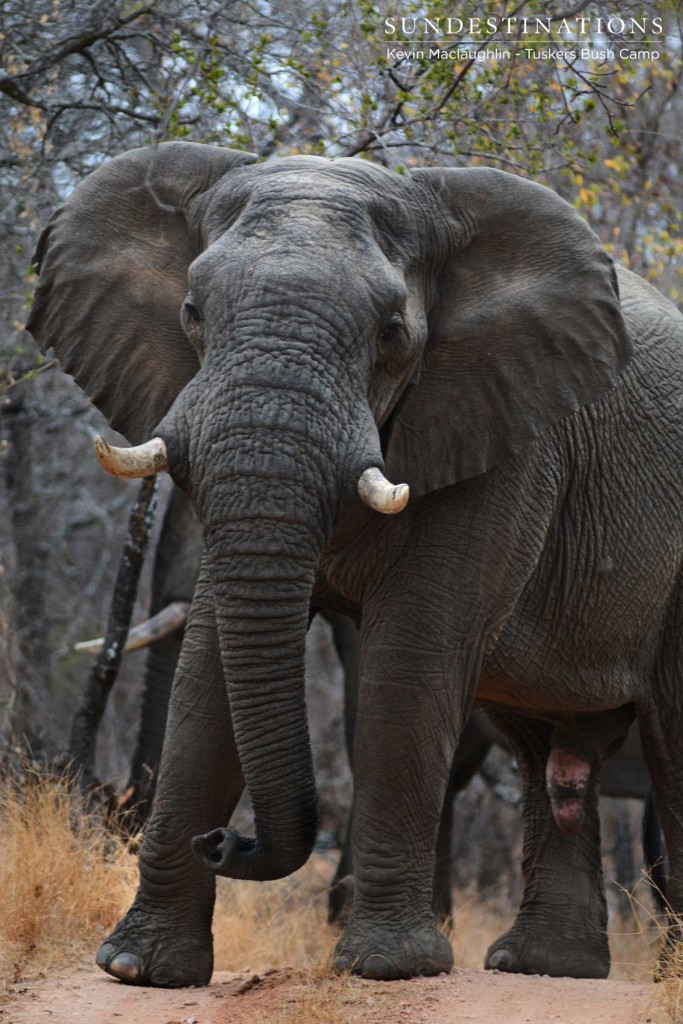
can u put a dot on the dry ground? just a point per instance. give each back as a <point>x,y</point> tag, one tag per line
<point>65,882</point>
<point>284,997</point>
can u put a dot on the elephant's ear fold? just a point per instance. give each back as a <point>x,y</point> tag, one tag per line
<point>526,327</point>
<point>112,268</point>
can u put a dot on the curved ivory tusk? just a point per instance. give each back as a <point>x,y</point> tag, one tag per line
<point>170,618</point>
<point>376,491</point>
<point>143,460</point>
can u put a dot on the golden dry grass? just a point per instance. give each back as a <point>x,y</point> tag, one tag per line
<point>65,881</point>
<point>670,999</point>
<point>635,941</point>
<point>281,923</point>
<point>667,1005</point>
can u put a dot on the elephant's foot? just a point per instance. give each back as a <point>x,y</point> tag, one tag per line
<point>386,954</point>
<point>561,952</point>
<point>149,947</point>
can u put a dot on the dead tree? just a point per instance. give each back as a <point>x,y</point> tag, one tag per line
<point>86,720</point>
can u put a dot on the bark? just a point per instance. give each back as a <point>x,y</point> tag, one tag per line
<point>86,720</point>
<point>30,696</point>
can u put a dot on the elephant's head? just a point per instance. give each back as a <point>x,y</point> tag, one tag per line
<point>264,320</point>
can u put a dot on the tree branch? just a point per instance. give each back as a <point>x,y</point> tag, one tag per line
<point>66,47</point>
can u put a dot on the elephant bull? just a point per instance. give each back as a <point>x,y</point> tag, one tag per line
<point>300,342</point>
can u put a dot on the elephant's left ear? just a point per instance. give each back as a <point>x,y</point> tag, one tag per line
<point>526,327</point>
<point>112,266</point>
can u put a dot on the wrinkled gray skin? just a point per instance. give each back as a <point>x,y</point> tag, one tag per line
<point>463,328</point>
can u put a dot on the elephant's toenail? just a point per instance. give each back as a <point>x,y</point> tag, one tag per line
<point>379,968</point>
<point>125,967</point>
<point>343,963</point>
<point>104,954</point>
<point>501,960</point>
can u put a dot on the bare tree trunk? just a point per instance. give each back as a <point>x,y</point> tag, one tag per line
<point>31,671</point>
<point>86,720</point>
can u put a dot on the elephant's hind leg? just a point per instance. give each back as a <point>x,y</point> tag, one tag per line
<point>561,928</point>
<point>165,938</point>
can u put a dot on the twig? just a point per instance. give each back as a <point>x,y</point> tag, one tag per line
<point>28,375</point>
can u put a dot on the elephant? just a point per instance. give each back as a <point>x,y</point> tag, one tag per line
<point>286,337</point>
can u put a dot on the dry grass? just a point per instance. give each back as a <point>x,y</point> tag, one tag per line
<point>65,882</point>
<point>277,924</point>
<point>476,925</point>
<point>670,1001</point>
<point>635,941</point>
<point>667,1005</point>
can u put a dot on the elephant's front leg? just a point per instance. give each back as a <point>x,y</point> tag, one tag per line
<point>165,938</point>
<point>561,928</point>
<point>408,726</point>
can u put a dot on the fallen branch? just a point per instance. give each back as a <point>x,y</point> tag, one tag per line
<point>168,620</point>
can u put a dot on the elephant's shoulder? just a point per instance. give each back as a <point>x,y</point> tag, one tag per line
<point>651,394</point>
<point>649,316</point>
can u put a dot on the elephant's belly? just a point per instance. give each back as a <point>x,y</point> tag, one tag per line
<point>538,673</point>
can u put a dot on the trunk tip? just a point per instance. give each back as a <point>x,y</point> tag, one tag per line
<point>227,853</point>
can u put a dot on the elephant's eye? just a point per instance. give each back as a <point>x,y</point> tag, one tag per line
<point>193,322</point>
<point>191,313</point>
<point>392,329</point>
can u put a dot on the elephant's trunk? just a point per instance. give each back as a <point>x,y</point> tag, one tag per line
<point>266,496</point>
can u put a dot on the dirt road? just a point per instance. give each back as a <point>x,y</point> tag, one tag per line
<point>279,996</point>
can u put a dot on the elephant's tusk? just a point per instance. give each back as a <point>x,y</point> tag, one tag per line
<point>143,460</point>
<point>376,491</point>
<point>168,620</point>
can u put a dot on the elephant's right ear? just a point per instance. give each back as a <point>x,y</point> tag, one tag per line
<point>112,268</point>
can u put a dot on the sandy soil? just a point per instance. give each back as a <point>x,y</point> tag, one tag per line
<point>279,996</point>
